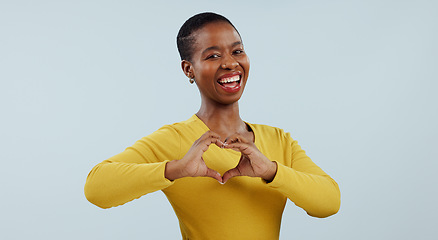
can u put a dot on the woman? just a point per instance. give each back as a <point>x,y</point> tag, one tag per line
<point>225,178</point>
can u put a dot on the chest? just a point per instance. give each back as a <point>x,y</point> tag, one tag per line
<point>200,192</point>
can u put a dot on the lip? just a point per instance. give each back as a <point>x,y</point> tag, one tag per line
<point>231,89</point>
<point>228,75</point>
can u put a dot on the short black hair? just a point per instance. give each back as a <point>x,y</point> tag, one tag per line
<point>185,39</point>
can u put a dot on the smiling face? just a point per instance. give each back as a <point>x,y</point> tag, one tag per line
<point>219,63</point>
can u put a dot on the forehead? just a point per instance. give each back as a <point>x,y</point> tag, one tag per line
<point>220,34</point>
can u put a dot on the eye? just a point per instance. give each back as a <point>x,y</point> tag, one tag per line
<point>239,51</point>
<point>212,56</point>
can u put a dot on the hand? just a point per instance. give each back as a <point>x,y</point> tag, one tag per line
<point>252,162</point>
<point>192,164</point>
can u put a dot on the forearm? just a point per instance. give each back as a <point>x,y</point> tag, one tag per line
<point>318,195</point>
<point>110,184</point>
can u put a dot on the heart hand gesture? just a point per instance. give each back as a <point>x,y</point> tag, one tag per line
<point>252,162</point>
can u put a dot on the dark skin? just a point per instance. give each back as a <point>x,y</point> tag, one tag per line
<point>218,52</point>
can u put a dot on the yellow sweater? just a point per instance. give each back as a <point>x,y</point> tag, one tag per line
<point>243,208</point>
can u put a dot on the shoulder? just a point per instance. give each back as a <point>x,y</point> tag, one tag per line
<point>267,130</point>
<point>163,143</point>
<point>266,134</point>
<point>189,127</point>
<point>274,142</point>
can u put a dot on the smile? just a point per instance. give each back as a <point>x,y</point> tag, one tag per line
<point>230,83</point>
<point>230,80</point>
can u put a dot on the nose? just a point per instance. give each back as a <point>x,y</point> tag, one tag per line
<point>229,62</point>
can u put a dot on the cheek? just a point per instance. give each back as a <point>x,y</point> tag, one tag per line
<point>245,64</point>
<point>207,70</point>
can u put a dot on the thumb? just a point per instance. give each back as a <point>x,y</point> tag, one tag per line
<point>214,174</point>
<point>230,173</point>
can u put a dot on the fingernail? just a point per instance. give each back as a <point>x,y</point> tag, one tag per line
<point>221,183</point>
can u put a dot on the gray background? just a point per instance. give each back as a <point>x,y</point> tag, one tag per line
<point>354,82</point>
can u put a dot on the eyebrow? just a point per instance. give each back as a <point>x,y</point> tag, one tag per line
<point>216,47</point>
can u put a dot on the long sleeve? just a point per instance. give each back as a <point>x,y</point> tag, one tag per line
<point>134,172</point>
<point>253,207</point>
<point>307,185</point>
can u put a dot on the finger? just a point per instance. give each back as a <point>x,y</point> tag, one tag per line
<point>212,173</point>
<point>240,147</point>
<point>209,134</point>
<point>211,137</point>
<point>207,142</point>
<point>235,138</point>
<point>213,134</point>
<point>230,173</point>
<point>217,139</point>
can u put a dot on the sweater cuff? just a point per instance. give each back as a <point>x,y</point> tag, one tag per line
<point>158,179</point>
<point>278,180</point>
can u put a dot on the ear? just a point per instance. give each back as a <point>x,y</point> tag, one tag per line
<point>187,68</point>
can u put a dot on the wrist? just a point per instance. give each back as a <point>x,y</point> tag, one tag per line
<point>172,170</point>
<point>270,174</point>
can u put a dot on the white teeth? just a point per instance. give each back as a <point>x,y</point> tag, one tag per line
<point>231,79</point>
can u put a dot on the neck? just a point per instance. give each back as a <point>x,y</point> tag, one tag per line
<point>222,119</point>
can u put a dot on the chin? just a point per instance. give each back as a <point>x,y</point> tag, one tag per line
<point>231,99</point>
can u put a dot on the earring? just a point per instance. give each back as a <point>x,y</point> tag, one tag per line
<point>191,80</point>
